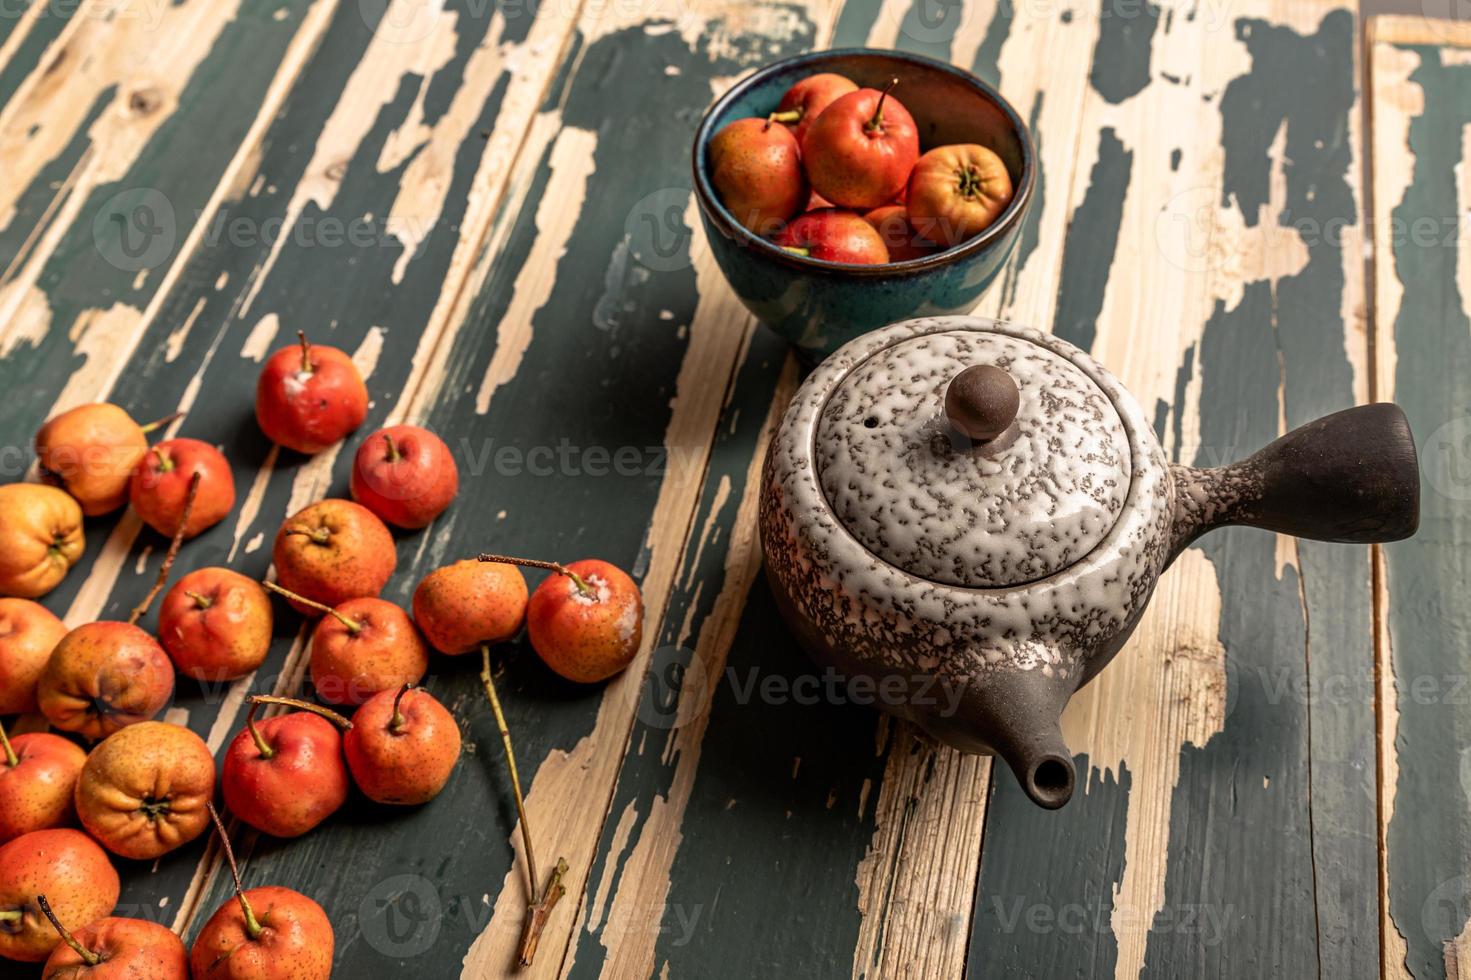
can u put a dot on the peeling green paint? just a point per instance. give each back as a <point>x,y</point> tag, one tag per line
<point>1429,834</point>
<point>987,63</point>
<point>33,203</point>
<point>1046,909</point>
<point>1092,241</point>
<point>1300,764</point>
<point>1126,35</point>
<point>675,684</point>
<point>180,165</point>
<point>378,890</point>
<point>47,27</point>
<point>768,857</point>
<point>855,22</point>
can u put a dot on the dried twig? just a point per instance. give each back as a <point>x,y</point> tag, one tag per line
<point>538,910</point>
<point>173,552</point>
<point>550,566</point>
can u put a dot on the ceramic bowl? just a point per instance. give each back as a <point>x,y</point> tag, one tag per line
<point>817,305</point>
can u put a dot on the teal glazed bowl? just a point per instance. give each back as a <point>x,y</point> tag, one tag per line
<point>819,306</point>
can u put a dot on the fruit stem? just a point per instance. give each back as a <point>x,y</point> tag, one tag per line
<point>88,957</point>
<point>538,910</point>
<point>319,535</point>
<point>168,559</point>
<point>353,626</point>
<point>11,759</point>
<point>315,709</point>
<point>970,182</point>
<point>165,465</point>
<point>202,601</point>
<point>789,116</point>
<point>805,252</point>
<point>393,453</point>
<point>500,720</point>
<point>587,590</point>
<point>12,915</point>
<point>261,745</point>
<point>306,353</point>
<point>154,808</point>
<point>396,723</point>
<point>876,124</point>
<point>253,929</point>
<point>157,424</point>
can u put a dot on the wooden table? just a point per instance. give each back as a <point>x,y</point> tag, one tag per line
<point>489,206</point>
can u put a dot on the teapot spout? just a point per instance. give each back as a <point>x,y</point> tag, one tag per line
<point>1015,713</point>
<point>1043,765</point>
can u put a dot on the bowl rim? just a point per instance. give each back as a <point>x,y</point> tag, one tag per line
<point>716,211</point>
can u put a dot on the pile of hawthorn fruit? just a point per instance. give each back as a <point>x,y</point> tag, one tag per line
<point>146,787</point>
<point>835,173</point>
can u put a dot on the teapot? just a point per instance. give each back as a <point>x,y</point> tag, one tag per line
<point>972,516</point>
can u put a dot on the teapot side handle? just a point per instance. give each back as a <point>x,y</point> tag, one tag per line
<point>1351,477</point>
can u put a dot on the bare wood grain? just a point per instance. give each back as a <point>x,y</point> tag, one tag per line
<point>1184,252</point>
<point>110,341</point>
<point>1419,85</point>
<point>916,882</point>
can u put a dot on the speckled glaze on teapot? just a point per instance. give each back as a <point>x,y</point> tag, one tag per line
<point>975,514</point>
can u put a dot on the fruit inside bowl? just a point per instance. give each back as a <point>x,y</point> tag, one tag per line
<point>835,172</point>
<point>939,168</point>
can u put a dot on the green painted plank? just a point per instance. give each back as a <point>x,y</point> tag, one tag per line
<point>165,189</point>
<point>598,374</point>
<point>1307,82</point>
<point>781,806</point>
<point>1046,910</point>
<point>779,817</point>
<point>342,292</point>
<point>1429,836</point>
<point>1240,900</point>
<point>40,31</point>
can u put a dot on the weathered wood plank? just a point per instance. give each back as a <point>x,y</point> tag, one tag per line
<point>27,30</point>
<point>114,142</point>
<point>77,359</point>
<point>628,909</point>
<point>1221,299</point>
<point>906,918</point>
<point>1150,729</point>
<point>509,299</point>
<point>543,358</point>
<point>1420,74</point>
<point>399,138</point>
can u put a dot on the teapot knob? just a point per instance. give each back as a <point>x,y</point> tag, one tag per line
<point>982,401</point>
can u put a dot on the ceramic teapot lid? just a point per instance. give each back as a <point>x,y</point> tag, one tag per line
<point>927,470</point>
